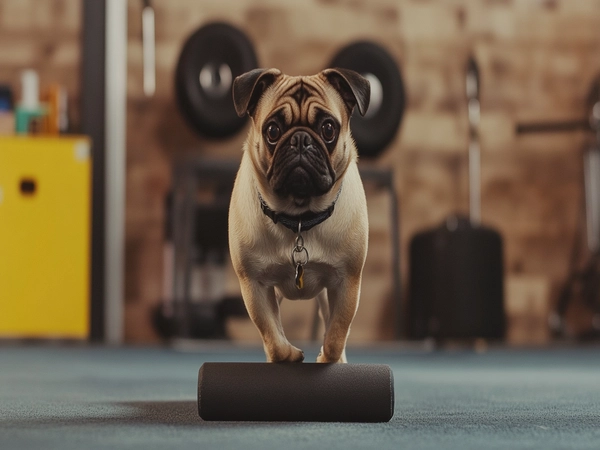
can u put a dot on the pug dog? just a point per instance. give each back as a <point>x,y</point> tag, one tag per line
<point>298,225</point>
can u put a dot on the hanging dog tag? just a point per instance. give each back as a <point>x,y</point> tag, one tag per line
<point>299,276</point>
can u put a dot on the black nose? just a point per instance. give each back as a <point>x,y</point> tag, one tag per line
<point>301,140</point>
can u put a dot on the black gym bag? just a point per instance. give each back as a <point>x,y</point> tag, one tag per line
<point>456,282</point>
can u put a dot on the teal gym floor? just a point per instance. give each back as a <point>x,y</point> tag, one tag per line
<point>77,397</point>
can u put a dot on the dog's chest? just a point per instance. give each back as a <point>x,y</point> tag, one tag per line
<point>316,277</point>
<point>277,269</point>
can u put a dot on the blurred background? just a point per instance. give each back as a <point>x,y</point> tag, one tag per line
<point>480,163</point>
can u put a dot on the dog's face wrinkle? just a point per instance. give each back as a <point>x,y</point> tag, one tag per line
<point>300,98</point>
<point>301,91</point>
<point>300,95</point>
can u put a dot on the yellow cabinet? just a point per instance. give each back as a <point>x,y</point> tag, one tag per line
<point>45,208</point>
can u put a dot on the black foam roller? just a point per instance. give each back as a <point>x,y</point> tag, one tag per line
<point>298,392</point>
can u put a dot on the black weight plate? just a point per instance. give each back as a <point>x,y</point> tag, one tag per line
<point>378,127</point>
<point>209,62</point>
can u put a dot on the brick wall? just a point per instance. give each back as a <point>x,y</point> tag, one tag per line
<point>536,57</point>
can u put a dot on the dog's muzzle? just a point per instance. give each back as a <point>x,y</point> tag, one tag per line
<point>301,167</point>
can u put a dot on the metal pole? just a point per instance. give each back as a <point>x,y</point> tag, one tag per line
<point>115,110</point>
<point>472,90</point>
<point>396,276</point>
<point>474,182</point>
<point>92,125</point>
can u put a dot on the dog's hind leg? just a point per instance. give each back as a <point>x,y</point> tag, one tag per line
<point>324,312</point>
<point>343,302</point>
<point>323,307</point>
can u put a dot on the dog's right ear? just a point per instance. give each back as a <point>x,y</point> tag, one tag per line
<point>249,87</point>
<point>353,87</point>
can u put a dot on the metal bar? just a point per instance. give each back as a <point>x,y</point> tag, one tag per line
<point>93,125</point>
<point>474,182</point>
<point>552,127</point>
<point>148,49</point>
<point>190,249</point>
<point>115,113</point>
<point>591,178</point>
<point>396,276</point>
<point>472,89</point>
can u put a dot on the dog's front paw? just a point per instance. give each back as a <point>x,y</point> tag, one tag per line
<point>324,358</point>
<point>287,353</point>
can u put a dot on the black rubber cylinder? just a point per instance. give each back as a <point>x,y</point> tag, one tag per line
<point>296,392</point>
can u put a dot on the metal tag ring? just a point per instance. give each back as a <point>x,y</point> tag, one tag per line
<point>299,244</point>
<point>302,250</point>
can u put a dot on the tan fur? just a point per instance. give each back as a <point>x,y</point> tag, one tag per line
<point>261,250</point>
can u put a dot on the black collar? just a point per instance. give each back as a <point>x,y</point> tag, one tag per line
<point>302,222</point>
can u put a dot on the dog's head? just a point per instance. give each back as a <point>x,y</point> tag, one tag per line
<point>300,141</point>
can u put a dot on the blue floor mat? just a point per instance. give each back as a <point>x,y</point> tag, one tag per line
<point>55,397</point>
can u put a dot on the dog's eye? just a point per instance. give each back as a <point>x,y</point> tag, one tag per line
<point>328,131</point>
<point>273,133</point>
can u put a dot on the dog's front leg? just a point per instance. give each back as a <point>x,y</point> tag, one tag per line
<point>343,303</point>
<point>263,308</point>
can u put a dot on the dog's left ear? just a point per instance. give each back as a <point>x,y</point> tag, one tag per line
<point>353,87</point>
<point>249,87</point>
